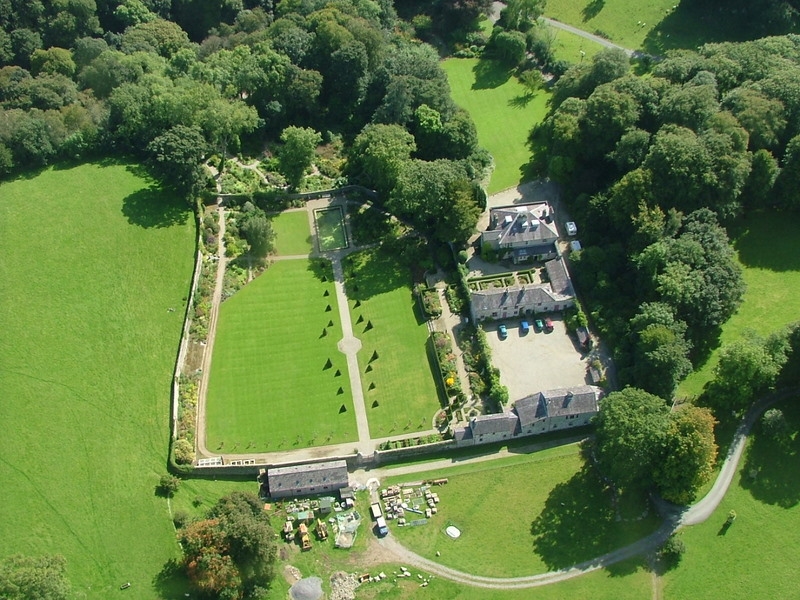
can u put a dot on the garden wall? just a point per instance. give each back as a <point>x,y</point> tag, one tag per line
<point>398,454</point>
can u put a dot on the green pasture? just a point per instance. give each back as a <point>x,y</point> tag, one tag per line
<point>330,228</point>
<point>769,251</point>
<point>270,387</point>
<point>399,390</point>
<point>626,581</point>
<point>292,235</point>
<point>94,258</point>
<point>655,26</point>
<point>568,46</point>
<point>757,556</point>
<point>504,112</point>
<point>544,513</point>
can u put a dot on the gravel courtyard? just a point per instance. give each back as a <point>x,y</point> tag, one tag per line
<point>535,362</point>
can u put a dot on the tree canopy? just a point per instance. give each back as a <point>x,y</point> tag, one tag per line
<point>230,554</point>
<point>26,577</point>
<point>641,443</point>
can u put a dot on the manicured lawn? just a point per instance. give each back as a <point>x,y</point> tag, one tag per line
<point>93,258</point>
<point>399,390</point>
<point>504,113</point>
<point>541,514</point>
<point>330,229</point>
<point>270,387</point>
<point>292,235</point>
<point>769,250</point>
<point>757,556</point>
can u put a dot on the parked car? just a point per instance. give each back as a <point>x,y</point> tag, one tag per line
<point>538,325</point>
<point>524,327</point>
<point>502,332</point>
<point>572,229</point>
<point>548,325</point>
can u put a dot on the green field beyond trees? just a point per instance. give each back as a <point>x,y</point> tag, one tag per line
<point>94,256</point>
<point>399,390</point>
<point>504,112</point>
<point>769,251</point>
<point>271,387</point>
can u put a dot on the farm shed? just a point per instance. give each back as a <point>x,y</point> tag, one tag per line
<point>306,480</point>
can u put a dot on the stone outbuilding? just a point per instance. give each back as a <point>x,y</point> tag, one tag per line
<point>307,480</point>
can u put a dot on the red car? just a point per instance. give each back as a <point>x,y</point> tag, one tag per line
<point>548,325</point>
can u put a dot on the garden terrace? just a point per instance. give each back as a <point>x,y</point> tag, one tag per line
<point>399,389</point>
<point>278,380</point>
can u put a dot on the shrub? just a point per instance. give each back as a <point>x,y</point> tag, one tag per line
<point>168,485</point>
<point>463,256</point>
<point>181,519</point>
<point>672,551</point>
<point>183,451</point>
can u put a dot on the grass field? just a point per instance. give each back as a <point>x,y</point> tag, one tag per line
<point>292,235</point>
<point>504,113</point>
<point>400,380</point>
<point>769,251</point>
<point>757,556</point>
<point>270,387</point>
<point>652,26</point>
<point>330,228</point>
<point>540,514</point>
<point>88,352</point>
<point>568,46</point>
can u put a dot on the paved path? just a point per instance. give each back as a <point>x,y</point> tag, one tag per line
<point>674,519</point>
<point>589,36</point>
<point>349,345</point>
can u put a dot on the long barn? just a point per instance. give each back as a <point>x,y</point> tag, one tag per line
<point>307,480</point>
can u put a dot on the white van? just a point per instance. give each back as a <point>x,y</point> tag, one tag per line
<point>383,529</point>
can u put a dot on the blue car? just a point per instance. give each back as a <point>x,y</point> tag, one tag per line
<point>524,327</point>
<point>502,332</point>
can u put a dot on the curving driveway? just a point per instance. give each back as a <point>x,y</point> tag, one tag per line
<point>674,518</point>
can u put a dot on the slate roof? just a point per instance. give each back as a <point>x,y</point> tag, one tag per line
<point>461,434</point>
<point>560,402</point>
<point>325,475</point>
<point>489,424</point>
<point>530,409</point>
<point>572,401</point>
<point>560,282</point>
<point>522,224</point>
<point>558,289</point>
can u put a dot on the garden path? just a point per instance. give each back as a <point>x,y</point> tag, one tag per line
<point>451,324</point>
<point>349,346</point>
<point>205,365</point>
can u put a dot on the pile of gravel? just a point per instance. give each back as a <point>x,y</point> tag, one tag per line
<point>343,586</point>
<point>309,588</point>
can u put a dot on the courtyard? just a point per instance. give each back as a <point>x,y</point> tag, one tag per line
<point>534,362</point>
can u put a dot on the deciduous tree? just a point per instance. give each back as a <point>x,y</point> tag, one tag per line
<point>297,152</point>
<point>630,435</point>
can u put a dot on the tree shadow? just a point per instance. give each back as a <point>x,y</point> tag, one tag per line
<point>490,74</point>
<point>171,582</point>
<point>768,241</point>
<point>521,101</point>
<point>771,464</point>
<point>152,207</point>
<point>578,523</point>
<point>592,9</point>
<point>321,268</point>
<point>372,272</point>
<point>725,526</point>
<point>691,24</point>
